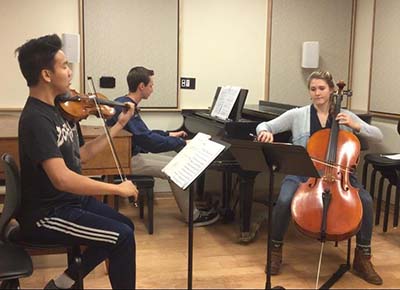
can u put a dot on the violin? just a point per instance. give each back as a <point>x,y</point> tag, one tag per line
<point>76,107</point>
<point>329,208</point>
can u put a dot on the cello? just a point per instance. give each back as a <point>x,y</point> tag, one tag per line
<point>329,208</point>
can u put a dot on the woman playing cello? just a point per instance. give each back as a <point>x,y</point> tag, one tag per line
<point>303,123</point>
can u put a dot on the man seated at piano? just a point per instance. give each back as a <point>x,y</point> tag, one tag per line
<point>304,122</point>
<point>146,143</point>
<point>58,204</point>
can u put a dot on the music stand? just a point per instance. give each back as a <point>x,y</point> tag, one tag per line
<point>191,187</point>
<point>272,157</point>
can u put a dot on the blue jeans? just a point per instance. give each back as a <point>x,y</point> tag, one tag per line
<point>105,232</point>
<point>282,210</point>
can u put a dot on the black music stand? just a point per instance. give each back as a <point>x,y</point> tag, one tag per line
<point>192,187</point>
<point>272,157</point>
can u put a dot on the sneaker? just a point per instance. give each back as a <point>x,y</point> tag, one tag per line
<point>206,218</point>
<point>52,285</point>
<point>207,211</point>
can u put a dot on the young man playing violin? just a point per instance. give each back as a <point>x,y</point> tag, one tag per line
<point>146,141</point>
<point>303,122</point>
<point>58,204</point>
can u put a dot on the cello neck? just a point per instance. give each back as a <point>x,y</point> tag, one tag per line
<point>333,138</point>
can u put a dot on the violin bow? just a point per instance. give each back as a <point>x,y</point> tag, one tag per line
<point>121,172</point>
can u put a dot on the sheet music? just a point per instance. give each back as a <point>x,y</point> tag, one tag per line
<point>192,160</point>
<point>225,102</point>
<point>392,156</point>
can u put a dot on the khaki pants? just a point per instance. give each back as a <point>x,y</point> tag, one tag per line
<point>151,164</point>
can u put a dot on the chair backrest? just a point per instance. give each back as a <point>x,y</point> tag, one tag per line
<point>12,200</point>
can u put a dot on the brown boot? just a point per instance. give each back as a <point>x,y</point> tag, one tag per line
<point>363,268</point>
<point>276,260</point>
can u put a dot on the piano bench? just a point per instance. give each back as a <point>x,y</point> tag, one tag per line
<point>145,185</point>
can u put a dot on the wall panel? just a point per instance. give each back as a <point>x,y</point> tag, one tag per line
<point>297,21</point>
<point>122,34</point>
<point>385,71</point>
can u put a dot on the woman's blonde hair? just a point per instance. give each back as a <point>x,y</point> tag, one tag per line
<point>321,75</point>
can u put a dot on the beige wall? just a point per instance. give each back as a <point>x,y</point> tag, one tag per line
<point>133,32</point>
<point>361,76</point>
<point>362,54</point>
<point>221,42</point>
<point>297,21</point>
<point>22,20</point>
<point>384,95</point>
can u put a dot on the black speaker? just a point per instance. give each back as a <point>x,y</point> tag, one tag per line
<point>107,82</point>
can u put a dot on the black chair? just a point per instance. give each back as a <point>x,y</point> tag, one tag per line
<point>15,262</point>
<point>11,229</point>
<point>145,186</point>
<point>389,170</point>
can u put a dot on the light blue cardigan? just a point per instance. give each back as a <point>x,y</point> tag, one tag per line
<point>297,121</point>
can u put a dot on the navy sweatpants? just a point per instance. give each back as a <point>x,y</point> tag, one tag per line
<point>105,232</point>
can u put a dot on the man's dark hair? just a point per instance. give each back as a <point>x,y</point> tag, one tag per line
<point>137,75</point>
<point>37,54</point>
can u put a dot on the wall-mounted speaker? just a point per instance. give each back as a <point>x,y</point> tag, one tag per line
<point>71,47</point>
<point>310,56</point>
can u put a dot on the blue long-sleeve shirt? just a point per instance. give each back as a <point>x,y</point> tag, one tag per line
<point>145,140</point>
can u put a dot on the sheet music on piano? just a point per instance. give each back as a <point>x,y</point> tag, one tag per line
<point>192,160</point>
<point>225,102</point>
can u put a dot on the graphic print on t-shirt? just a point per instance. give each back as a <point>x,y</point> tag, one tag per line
<point>63,134</point>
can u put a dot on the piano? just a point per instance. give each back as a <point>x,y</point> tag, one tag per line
<point>201,121</point>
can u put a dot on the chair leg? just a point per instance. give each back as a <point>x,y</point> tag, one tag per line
<point>397,202</point>
<point>74,257</point>
<point>372,183</point>
<point>79,281</point>
<point>141,205</point>
<point>10,284</point>
<point>364,174</point>
<point>150,210</point>
<point>379,201</point>
<point>387,207</point>
<point>396,207</point>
